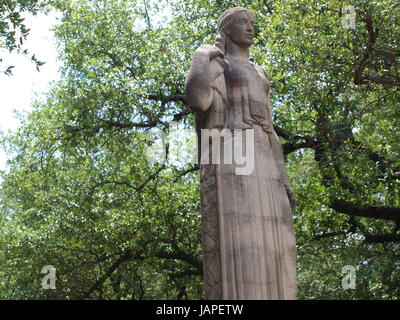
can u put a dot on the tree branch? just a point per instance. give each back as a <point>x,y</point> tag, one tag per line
<point>130,254</point>
<point>183,256</point>
<point>376,212</point>
<point>382,238</point>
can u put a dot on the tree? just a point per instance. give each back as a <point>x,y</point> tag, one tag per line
<point>81,194</point>
<point>13,31</point>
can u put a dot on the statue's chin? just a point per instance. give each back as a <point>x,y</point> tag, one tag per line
<point>247,43</point>
<point>246,46</point>
<point>243,43</point>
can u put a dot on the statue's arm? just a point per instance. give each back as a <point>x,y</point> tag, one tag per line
<point>199,94</point>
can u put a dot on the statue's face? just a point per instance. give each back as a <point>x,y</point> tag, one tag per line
<point>242,29</point>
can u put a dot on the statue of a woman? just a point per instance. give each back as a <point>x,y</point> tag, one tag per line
<point>247,228</point>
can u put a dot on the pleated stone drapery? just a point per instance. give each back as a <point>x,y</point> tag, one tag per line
<point>247,228</point>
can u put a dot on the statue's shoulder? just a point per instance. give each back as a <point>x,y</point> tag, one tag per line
<point>264,74</point>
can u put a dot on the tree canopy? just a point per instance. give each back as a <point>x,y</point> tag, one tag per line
<point>81,194</point>
<point>13,30</point>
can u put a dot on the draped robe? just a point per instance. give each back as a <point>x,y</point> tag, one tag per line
<point>248,238</point>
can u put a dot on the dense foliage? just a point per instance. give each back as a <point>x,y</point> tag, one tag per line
<point>13,30</point>
<point>80,192</point>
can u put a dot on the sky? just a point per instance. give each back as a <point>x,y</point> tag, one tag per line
<point>18,91</point>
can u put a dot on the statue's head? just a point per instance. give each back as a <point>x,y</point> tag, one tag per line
<point>237,24</point>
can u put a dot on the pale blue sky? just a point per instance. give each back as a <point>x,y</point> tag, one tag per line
<point>18,90</point>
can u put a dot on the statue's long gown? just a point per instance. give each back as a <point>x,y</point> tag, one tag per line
<point>247,229</point>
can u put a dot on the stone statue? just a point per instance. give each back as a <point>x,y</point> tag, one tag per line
<point>247,227</point>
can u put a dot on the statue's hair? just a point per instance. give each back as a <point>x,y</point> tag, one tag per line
<point>225,23</point>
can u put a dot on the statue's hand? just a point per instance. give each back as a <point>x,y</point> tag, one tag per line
<point>291,196</point>
<point>210,51</point>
